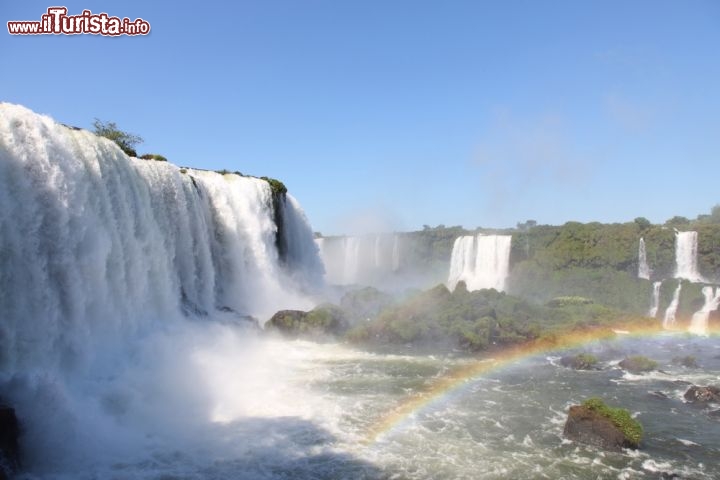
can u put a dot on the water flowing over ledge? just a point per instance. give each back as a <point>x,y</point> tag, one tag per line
<point>97,247</point>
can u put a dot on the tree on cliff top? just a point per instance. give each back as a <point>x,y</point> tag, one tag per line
<point>126,141</point>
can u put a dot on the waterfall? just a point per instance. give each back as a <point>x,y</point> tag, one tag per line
<point>302,255</point>
<point>97,247</point>
<point>686,256</point>
<point>643,268</point>
<point>481,261</point>
<point>655,301</point>
<point>669,318</point>
<point>699,322</point>
<point>462,260</point>
<point>352,260</point>
<point>361,260</point>
<point>396,253</point>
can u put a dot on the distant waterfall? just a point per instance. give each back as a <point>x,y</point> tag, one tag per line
<point>643,268</point>
<point>655,301</point>
<point>362,260</point>
<point>699,322</point>
<point>686,256</point>
<point>481,262</point>
<point>396,253</point>
<point>671,311</point>
<point>352,260</point>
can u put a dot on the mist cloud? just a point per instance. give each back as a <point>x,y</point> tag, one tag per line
<point>521,157</point>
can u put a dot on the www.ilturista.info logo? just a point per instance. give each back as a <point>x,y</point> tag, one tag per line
<point>57,22</point>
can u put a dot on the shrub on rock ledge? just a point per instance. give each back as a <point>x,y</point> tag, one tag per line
<point>605,427</point>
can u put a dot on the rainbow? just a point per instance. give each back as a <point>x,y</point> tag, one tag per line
<point>454,382</point>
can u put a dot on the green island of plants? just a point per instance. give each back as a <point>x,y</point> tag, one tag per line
<point>483,320</point>
<point>620,417</point>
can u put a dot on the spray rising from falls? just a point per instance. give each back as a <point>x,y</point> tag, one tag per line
<point>655,301</point>
<point>481,262</point>
<point>643,268</point>
<point>699,322</point>
<point>686,256</point>
<point>100,253</point>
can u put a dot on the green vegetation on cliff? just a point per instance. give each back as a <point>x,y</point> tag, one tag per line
<point>276,186</point>
<point>126,141</point>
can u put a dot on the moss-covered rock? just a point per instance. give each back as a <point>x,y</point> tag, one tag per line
<point>688,361</point>
<point>605,427</point>
<point>581,361</point>
<point>323,321</point>
<point>638,364</point>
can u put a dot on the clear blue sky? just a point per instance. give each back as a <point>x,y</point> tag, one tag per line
<point>393,114</point>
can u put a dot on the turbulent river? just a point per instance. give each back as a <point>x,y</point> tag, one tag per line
<point>220,404</point>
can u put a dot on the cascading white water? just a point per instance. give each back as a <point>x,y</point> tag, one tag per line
<point>396,253</point>
<point>462,260</point>
<point>362,260</point>
<point>671,311</point>
<point>113,272</point>
<point>377,256</point>
<point>686,256</point>
<point>352,260</point>
<point>481,262</point>
<point>302,255</point>
<point>655,301</point>
<point>699,322</point>
<point>643,268</point>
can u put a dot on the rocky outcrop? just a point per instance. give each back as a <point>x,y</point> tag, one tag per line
<point>325,320</point>
<point>707,394</point>
<point>687,361</point>
<point>582,361</point>
<point>594,423</point>
<point>9,450</point>
<point>638,364</point>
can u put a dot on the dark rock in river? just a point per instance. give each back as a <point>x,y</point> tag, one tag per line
<point>638,364</point>
<point>9,450</point>
<point>588,426</point>
<point>658,394</point>
<point>688,361</point>
<point>582,361</point>
<point>697,394</point>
